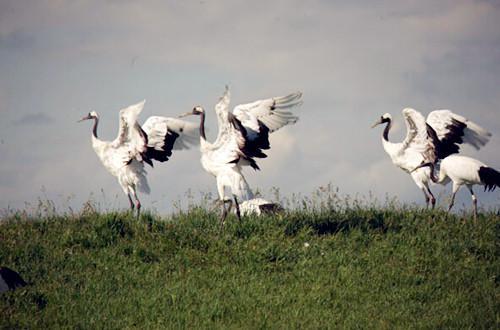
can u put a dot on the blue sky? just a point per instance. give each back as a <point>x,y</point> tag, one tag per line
<point>354,60</point>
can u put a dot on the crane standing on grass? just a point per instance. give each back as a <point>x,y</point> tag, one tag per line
<point>243,135</point>
<point>462,170</point>
<point>124,157</point>
<point>428,141</point>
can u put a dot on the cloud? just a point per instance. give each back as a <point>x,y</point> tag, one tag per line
<point>353,60</point>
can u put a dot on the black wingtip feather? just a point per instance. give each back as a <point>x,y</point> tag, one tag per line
<point>164,154</point>
<point>450,143</point>
<point>252,148</point>
<point>489,177</point>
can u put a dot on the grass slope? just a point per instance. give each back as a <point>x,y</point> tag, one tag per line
<point>355,268</point>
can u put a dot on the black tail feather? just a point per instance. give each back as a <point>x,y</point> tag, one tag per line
<point>489,177</point>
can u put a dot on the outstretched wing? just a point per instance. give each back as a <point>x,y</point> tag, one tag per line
<point>130,135</point>
<point>248,149</point>
<point>417,137</point>
<point>262,117</point>
<point>451,130</point>
<point>166,134</point>
<point>273,113</point>
<point>222,111</point>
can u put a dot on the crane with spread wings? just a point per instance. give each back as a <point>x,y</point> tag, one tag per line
<point>125,156</point>
<point>243,136</point>
<point>428,141</point>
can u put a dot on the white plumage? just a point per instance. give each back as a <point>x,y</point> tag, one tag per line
<point>428,141</point>
<point>242,136</point>
<point>124,157</point>
<point>464,171</point>
<point>258,206</point>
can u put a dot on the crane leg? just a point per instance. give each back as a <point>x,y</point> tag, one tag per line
<point>433,199</point>
<point>224,211</point>
<point>137,202</point>
<point>474,203</point>
<point>452,202</point>
<point>237,206</point>
<point>429,196</point>
<point>138,206</point>
<point>131,202</point>
<point>220,191</point>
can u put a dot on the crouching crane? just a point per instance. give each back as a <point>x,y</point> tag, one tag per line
<point>259,206</point>
<point>125,156</point>
<point>428,141</point>
<point>462,170</point>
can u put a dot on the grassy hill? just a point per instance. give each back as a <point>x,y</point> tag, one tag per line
<point>347,268</point>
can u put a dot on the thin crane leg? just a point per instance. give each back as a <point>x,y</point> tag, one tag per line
<point>431,196</point>
<point>426,198</point>
<point>223,214</point>
<point>452,202</point>
<point>138,205</point>
<point>220,191</point>
<point>137,202</point>
<point>225,211</point>
<point>230,202</point>
<point>237,206</point>
<point>131,202</point>
<point>474,203</point>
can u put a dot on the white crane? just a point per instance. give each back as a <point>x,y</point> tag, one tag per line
<point>429,141</point>
<point>243,134</point>
<point>259,206</point>
<point>462,170</point>
<point>124,157</point>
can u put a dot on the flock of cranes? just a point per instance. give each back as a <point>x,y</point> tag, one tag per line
<point>430,145</point>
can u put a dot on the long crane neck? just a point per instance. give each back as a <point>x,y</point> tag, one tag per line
<point>94,129</point>
<point>392,149</point>
<point>202,126</point>
<point>387,128</point>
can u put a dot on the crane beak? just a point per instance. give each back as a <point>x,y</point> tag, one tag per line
<point>84,118</point>
<point>185,114</point>
<point>378,122</point>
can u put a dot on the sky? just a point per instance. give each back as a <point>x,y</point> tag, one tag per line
<point>353,61</point>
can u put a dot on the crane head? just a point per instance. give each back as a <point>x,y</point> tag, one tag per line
<point>91,115</point>
<point>385,118</point>
<point>197,110</point>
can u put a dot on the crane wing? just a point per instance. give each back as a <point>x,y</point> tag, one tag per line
<point>248,148</point>
<point>166,134</point>
<point>130,135</point>
<point>417,137</point>
<point>222,111</point>
<point>233,147</point>
<point>452,130</point>
<point>227,149</point>
<point>262,117</point>
<point>273,113</point>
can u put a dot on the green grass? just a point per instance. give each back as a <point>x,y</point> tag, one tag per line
<point>363,268</point>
